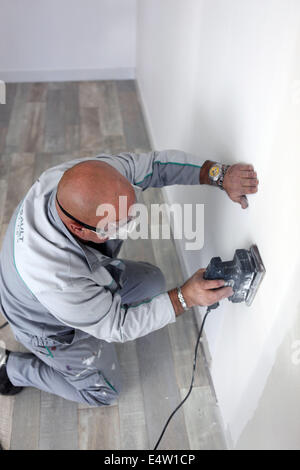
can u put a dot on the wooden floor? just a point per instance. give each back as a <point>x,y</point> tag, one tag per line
<point>44,124</point>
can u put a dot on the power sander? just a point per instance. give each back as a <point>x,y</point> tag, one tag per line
<point>244,274</point>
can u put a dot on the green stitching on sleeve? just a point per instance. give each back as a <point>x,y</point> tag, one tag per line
<point>169,163</point>
<point>149,174</point>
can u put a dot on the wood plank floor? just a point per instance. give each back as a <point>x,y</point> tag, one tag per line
<point>42,125</point>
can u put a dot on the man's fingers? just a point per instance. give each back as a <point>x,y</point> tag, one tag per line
<point>247,174</point>
<point>224,292</point>
<point>244,167</point>
<point>249,182</point>
<point>213,284</point>
<point>243,201</point>
<point>220,294</point>
<point>250,190</point>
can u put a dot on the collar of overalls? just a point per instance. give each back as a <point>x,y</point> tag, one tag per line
<point>93,256</point>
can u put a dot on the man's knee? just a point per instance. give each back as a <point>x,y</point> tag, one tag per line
<point>96,390</point>
<point>142,281</point>
<point>101,397</point>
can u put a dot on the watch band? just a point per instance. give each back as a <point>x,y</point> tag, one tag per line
<point>223,173</point>
<point>181,299</point>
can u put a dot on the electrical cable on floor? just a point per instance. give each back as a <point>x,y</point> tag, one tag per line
<point>4,325</point>
<point>192,382</point>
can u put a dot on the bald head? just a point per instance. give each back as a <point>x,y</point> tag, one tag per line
<point>85,186</point>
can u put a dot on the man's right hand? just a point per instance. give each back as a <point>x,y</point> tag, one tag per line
<point>199,291</point>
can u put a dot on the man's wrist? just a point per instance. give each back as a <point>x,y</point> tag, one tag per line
<point>218,171</point>
<point>182,299</point>
<point>178,308</point>
<point>204,177</point>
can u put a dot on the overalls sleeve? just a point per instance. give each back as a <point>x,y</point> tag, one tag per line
<point>157,168</point>
<point>95,310</point>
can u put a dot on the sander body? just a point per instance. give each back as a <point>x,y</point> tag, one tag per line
<point>244,274</point>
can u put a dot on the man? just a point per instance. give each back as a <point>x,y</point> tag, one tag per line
<point>65,293</point>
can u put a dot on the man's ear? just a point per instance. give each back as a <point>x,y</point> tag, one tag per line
<point>78,230</point>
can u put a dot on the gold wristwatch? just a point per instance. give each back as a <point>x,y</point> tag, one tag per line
<point>217,173</point>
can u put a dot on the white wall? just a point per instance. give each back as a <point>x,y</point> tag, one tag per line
<point>221,78</point>
<point>67,39</point>
<point>276,421</point>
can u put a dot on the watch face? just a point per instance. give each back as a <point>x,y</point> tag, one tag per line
<point>214,172</point>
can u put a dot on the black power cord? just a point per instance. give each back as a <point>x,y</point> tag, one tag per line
<point>4,325</point>
<point>193,376</point>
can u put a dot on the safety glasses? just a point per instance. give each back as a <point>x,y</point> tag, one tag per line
<point>119,229</point>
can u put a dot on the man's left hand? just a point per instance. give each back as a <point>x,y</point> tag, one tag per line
<point>239,180</point>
